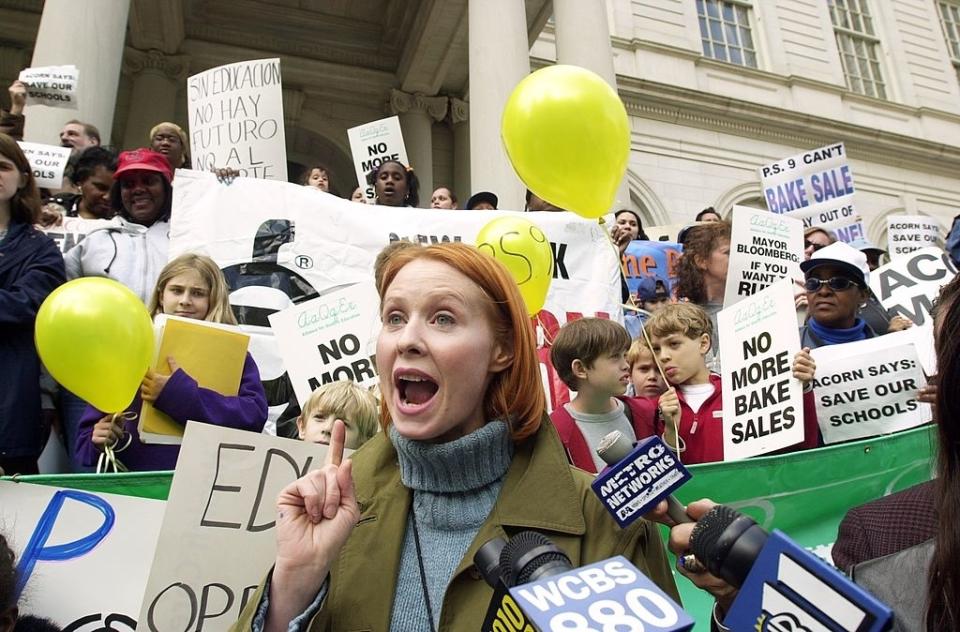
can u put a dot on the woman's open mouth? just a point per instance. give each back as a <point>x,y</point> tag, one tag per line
<point>414,389</point>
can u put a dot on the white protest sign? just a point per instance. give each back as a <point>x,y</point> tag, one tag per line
<point>908,233</point>
<point>374,143</point>
<point>73,230</point>
<point>817,187</point>
<point>236,119</point>
<point>330,338</point>
<point>83,557</point>
<point>764,248</point>
<point>762,401</point>
<point>908,285</point>
<point>55,86</point>
<point>47,163</point>
<point>318,241</point>
<point>866,390</point>
<point>218,541</point>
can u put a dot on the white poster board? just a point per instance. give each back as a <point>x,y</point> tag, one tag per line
<point>330,338</point>
<point>236,119</point>
<point>909,284</point>
<point>817,187</point>
<point>908,233</point>
<point>764,248</point>
<point>47,163</point>
<point>762,401</point>
<point>218,541</point>
<point>865,390</point>
<point>55,86</point>
<point>103,576</point>
<point>74,229</point>
<point>372,144</point>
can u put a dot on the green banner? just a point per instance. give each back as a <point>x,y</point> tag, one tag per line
<point>805,494</point>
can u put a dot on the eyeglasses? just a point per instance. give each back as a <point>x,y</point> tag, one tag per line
<point>809,244</point>
<point>837,284</point>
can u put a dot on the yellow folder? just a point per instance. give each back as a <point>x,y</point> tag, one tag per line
<point>210,353</point>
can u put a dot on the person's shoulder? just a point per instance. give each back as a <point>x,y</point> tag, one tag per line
<point>914,501</point>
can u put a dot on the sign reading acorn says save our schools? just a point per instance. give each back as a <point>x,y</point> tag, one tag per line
<point>908,233</point>
<point>764,248</point>
<point>47,163</point>
<point>908,285</point>
<point>817,187</point>
<point>55,86</point>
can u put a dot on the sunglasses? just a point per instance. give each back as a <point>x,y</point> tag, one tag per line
<point>837,284</point>
<point>810,244</point>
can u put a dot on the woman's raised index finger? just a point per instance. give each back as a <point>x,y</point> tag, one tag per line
<point>337,438</point>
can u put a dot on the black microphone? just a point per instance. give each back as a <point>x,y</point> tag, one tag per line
<point>727,543</point>
<point>530,556</point>
<point>503,613</point>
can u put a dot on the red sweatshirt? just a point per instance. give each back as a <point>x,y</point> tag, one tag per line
<point>641,412</point>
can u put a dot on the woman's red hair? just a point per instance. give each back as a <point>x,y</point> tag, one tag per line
<point>515,394</point>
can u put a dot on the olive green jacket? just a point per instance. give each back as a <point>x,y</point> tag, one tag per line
<point>541,491</point>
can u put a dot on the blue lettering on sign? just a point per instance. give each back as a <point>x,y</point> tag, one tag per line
<point>831,184</point>
<point>786,197</point>
<point>37,550</point>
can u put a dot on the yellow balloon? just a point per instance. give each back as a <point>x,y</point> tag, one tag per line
<point>568,137</point>
<point>96,338</point>
<point>519,245</point>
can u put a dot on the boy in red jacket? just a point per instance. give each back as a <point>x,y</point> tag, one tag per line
<point>590,356</point>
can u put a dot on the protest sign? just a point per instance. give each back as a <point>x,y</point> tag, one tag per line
<point>218,540</point>
<point>815,186</point>
<point>374,143</point>
<point>909,284</point>
<point>47,163</point>
<point>55,86</point>
<point>73,547</point>
<point>236,119</point>
<point>73,229</point>
<point>908,233</point>
<point>656,259</point>
<point>764,248</point>
<point>330,338</point>
<point>864,391</point>
<point>762,401</point>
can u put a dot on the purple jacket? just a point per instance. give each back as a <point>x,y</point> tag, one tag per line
<point>183,400</point>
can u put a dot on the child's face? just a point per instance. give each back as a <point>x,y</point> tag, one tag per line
<point>609,374</point>
<point>186,295</point>
<point>645,377</point>
<point>682,358</point>
<point>318,427</point>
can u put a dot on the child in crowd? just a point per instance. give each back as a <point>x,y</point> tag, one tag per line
<point>645,379</point>
<point>680,334</point>
<point>344,400</point>
<point>590,356</point>
<point>190,286</point>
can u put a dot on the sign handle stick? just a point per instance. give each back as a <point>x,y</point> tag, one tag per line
<point>677,443</point>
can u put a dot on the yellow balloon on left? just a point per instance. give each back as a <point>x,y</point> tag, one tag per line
<point>95,337</point>
<point>524,250</point>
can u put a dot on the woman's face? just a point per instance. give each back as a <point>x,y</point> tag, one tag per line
<point>391,185</point>
<point>716,264</point>
<point>358,196</point>
<point>10,179</point>
<point>442,198</point>
<point>186,295</point>
<point>833,308</point>
<point>814,242</point>
<point>142,195</point>
<point>436,352</point>
<point>710,217</point>
<point>95,192</point>
<point>318,180</point>
<point>627,221</point>
<point>167,142</point>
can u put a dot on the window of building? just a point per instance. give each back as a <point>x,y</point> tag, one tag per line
<point>859,46</point>
<point>950,18</point>
<point>725,31</point>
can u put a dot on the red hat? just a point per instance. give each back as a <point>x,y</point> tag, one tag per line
<point>143,160</point>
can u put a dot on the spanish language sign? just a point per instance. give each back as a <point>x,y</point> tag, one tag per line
<point>236,119</point>
<point>815,186</point>
<point>867,390</point>
<point>47,163</point>
<point>908,233</point>
<point>909,284</point>
<point>764,248</point>
<point>762,407</point>
<point>330,338</point>
<point>55,86</point>
<point>373,144</point>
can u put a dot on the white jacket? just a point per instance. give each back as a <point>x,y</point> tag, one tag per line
<point>126,252</point>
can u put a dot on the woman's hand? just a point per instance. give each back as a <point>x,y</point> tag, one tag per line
<point>315,516</point>
<point>899,323</point>
<point>620,237</point>
<point>225,175</point>
<point>679,543</point>
<point>804,366</point>
<point>51,215</point>
<point>153,382</point>
<point>107,431</point>
<point>18,97</point>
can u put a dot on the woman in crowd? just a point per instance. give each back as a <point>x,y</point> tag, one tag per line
<point>465,447</point>
<point>708,215</point>
<point>358,196</point>
<point>93,177</point>
<point>190,286</point>
<point>317,177</point>
<point>30,268</point>
<point>627,227</point>
<point>396,184</point>
<point>443,198</point>
<point>170,140</point>
<point>702,272</point>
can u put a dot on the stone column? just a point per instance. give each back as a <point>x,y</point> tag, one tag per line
<point>417,114</point>
<point>459,118</point>
<point>153,99</point>
<point>499,59</point>
<point>92,39</point>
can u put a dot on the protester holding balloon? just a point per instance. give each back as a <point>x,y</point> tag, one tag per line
<point>30,268</point>
<point>190,286</point>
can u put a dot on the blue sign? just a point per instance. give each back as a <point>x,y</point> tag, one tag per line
<point>651,259</point>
